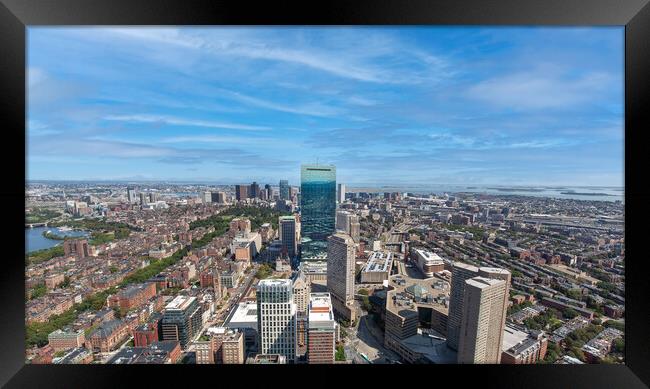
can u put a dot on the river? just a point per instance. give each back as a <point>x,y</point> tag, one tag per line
<point>34,239</point>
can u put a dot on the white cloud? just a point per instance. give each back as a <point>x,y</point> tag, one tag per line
<point>541,89</point>
<point>183,122</point>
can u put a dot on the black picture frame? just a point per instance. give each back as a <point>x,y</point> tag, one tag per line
<point>17,15</point>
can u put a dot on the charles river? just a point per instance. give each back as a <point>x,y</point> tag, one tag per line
<point>34,239</point>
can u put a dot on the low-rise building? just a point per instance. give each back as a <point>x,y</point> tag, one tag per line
<point>377,268</point>
<point>522,347</point>
<point>64,340</point>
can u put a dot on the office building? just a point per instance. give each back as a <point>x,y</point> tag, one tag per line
<point>343,221</point>
<point>218,197</point>
<point>76,247</point>
<point>241,192</point>
<point>340,193</point>
<point>288,235</point>
<point>460,273</point>
<point>276,318</point>
<point>254,191</point>
<point>130,194</point>
<point>317,208</point>
<point>207,197</point>
<point>483,321</point>
<point>181,319</point>
<point>340,273</point>
<point>269,191</point>
<point>227,345</point>
<point>377,268</point>
<point>285,192</point>
<point>245,320</point>
<point>301,294</point>
<point>322,329</point>
<point>143,198</point>
<point>355,228</point>
<point>429,263</point>
<point>153,197</point>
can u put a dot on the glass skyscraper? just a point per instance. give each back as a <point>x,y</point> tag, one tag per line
<point>284,190</point>
<point>317,209</point>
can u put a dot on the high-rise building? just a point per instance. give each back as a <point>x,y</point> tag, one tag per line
<point>130,194</point>
<point>288,235</point>
<point>340,269</point>
<point>207,197</point>
<point>76,247</point>
<point>343,221</point>
<point>153,197</point>
<point>254,191</point>
<point>322,329</point>
<point>301,294</point>
<point>340,193</point>
<point>218,197</point>
<point>285,193</point>
<point>143,198</point>
<point>276,318</point>
<point>317,208</point>
<point>460,273</point>
<point>181,319</point>
<point>269,191</point>
<point>241,192</point>
<point>483,323</point>
<point>355,228</point>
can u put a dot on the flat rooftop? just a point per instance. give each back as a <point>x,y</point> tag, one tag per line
<point>180,302</point>
<point>512,336</point>
<point>429,257</point>
<point>245,313</point>
<point>320,307</point>
<point>482,282</point>
<point>275,282</point>
<point>379,261</point>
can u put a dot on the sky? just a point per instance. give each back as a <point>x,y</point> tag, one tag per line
<point>386,105</point>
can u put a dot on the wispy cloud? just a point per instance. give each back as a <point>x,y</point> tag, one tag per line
<point>179,121</point>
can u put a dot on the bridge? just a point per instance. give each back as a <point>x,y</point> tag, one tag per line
<point>32,225</point>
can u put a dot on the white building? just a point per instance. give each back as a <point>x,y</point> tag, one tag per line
<point>277,318</point>
<point>428,262</point>
<point>340,193</point>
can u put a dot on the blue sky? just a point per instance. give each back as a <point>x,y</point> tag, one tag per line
<point>396,106</point>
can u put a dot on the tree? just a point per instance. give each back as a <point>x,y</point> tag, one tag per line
<point>615,324</point>
<point>340,353</point>
<point>363,291</point>
<point>570,313</point>
<point>618,345</point>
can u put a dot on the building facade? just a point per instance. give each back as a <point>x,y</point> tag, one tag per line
<point>317,208</point>
<point>322,329</point>
<point>483,321</point>
<point>460,273</point>
<point>181,320</point>
<point>276,318</point>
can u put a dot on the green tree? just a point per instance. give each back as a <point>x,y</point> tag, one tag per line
<point>340,353</point>
<point>363,291</point>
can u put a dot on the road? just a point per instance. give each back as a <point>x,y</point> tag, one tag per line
<point>367,339</point>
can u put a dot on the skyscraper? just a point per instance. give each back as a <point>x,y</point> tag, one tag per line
<point>340,270</point>
<point>287,227</point>
<point>317,208</point>
<point>340,194</point>
<point>241,192</point>
<point>460,273</point>
<point>269,191</point>
<point>355,228</point>
<point>322,329</point>
<point>254,191</point>
<point>483,321</point>
<point>276,318</point>
<point>218,197</point>
<point>284,190</point>
<point>130,194</point>
<point>207,197</point>
<point>143,198</point>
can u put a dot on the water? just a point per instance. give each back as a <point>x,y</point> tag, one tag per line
<point>34,239</point>
<point>558,192</point>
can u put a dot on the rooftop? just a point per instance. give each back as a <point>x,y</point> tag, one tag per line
<point>180,302</point>
<point>379,261</point>
<point>482,282</point>
<point>320,307</point>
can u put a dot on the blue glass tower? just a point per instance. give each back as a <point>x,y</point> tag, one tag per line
<point>317,209</point>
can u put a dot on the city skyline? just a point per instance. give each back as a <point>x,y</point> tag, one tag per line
<point>387,106</point>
